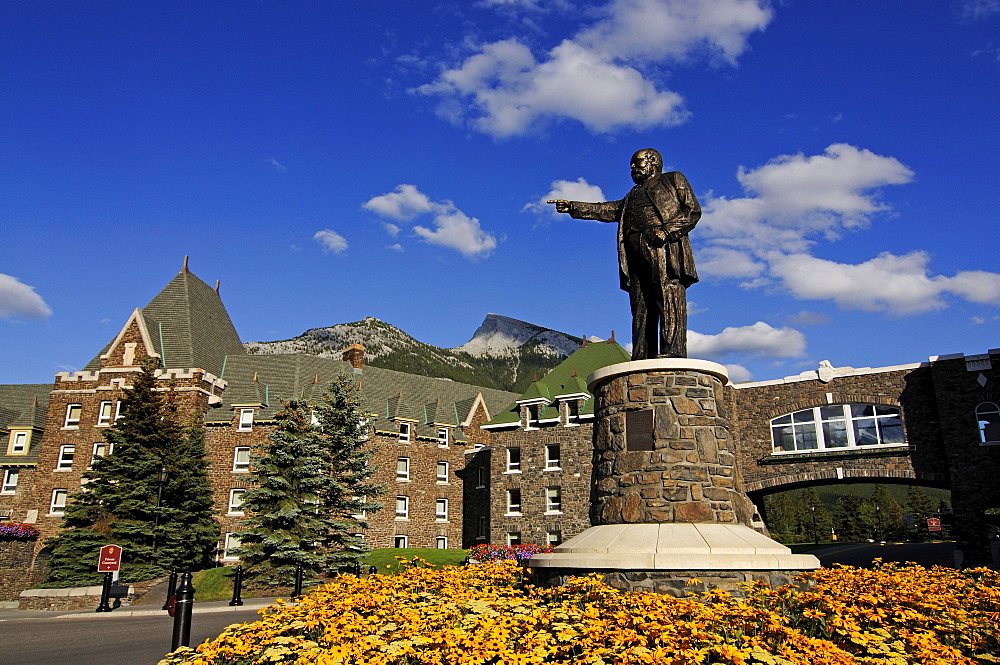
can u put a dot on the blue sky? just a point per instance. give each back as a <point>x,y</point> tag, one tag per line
<point>329,161</point>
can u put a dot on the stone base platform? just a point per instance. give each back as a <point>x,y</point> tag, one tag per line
<point>664,557</point>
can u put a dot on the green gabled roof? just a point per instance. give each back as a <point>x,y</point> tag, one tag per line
<point>567,378</point>
<point>293,376</point>
<point>22,406</point>
<point>189,326</point>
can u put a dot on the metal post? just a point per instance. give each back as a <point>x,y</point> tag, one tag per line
<point>237,587</point>
<point>105,595</point>
<point>298,580</point>
<point>815,533</point>
<point>162,478</point>
<point>356,568</point>
<point>182,613</point>
<point>171,588</point>
<point>878,519</point>
<point>372,570</point>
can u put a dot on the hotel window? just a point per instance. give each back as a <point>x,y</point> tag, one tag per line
<point>236,501</point>
<point>361,514</point>
<point>514,501</point>
<point>552,456</point>
<point>553,500</point>
<point>443,437</point>
<point>231,543</point>
<point>241,459</point>
<point>441,542</point>
<point>400,542</point>
<point>404,432</point>
<point>402,507</point>
<point>441,509</point>
<point>66,453</point>
<point>73,415</point>
<point>105,413</point>
<point>573,412</point>
<point>534,414</point>
<point>553,538</point>
<point>246,420</point>
<point>9,485</point>
<point>19,443</point>
<point>513,460</point>
<point>403,468</point>
<point>837,427</point>
<point>58,504</point>
<point>480,478</point>
<point>481,529</point>
<point>988,419</point>
<point>102,449</point>
<point>442,472</point>
<point>513,538</point>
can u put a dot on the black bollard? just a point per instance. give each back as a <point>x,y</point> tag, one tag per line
<point>237,587</point>
<point>171,588</point>
<point>298,581</point>
<point>182,613</point>
<point>373,570</point>
<point>356,568</point>
<point>105,595</point>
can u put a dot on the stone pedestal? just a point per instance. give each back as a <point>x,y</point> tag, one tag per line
<point>666,501</point>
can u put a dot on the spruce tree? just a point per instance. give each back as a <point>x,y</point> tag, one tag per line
<point>918,509</point>
<point>848,519</point>
<point>889,515</point>
<point>311,481</point>
<point>118,502</point>
<point>816,520</point>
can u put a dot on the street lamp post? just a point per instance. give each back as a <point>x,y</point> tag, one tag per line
<point>815,532</point>
<point>878,520</point>
<point>164,474</point>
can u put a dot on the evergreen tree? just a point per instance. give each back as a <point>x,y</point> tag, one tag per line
<point>889,514</point>
<point>918,509</point>
<point>849,519</point>
<point>311,481</point>
<point>160,523</point>
<point>816,522</point>
<point>783,520</point>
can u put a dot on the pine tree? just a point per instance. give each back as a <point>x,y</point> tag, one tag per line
<point>159,524</point>
<point>918,509</point>
<point>848,519</point>
<point>782,517</point>
<point>311,482</point>
<point>816,520</point>
<point>889,514</point>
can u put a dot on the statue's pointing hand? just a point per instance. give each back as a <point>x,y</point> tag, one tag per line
<point>561,204</point>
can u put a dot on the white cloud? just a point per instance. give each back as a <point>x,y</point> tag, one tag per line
<point>979,9</point>
<point>738,373</point>
<point>276,164</point>
<point>503,90</point>
<point>807,318</point>
<point>452,228</point>
<point>758,339</point>
<point>331,241</point>
<point>728,262</point>
<point>568,190</point>
<point>19,301</point>
<point>396,247</point>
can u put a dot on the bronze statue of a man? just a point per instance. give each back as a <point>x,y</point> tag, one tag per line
<point>655,262</point>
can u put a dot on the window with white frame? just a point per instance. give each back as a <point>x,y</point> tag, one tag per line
<point>441,542</point>
<point>404,432</point>
<point>9,485</point>
<point>552,456</point>
<point>105,413</point>
<point>313,418</point>
<point>66,453</point>
<point>402,507</point>
<point>442,472</point>
<point>480,478</point>
<point>553,500</point>
<point>441,509</point>
<point>514,501</point>
<point>58,504</point>
<point>513,460</point>
<point>400,542</point>
<point>361,514</point>
<point>229,546</point>
<point>403,468</point>
<point>443,437</point>
<point>246,420</point>
<point>101,449</point>
<point>837,427</point>
<point>73,412</point>
<point>118,410</point>
<point>553,538</point>
<point>18,443</point>
<point>513,538</point>
<point>573,412</point>
<point>481,527</point>
<point>988,420</point>
<point>236,501</point>
<point>241,458</point>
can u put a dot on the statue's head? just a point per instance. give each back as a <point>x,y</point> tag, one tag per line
<point>645,164</point>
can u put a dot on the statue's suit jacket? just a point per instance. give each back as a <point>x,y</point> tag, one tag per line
<point>679,211</point>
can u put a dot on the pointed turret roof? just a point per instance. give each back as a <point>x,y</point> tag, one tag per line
<point>188,326</point>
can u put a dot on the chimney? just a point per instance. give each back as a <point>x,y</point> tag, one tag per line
<point>355,354</point>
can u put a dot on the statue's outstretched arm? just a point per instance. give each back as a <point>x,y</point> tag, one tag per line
<point>602,212</point>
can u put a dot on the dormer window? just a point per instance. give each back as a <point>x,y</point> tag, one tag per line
<point>404,432</point>
<point>18,443</point>
<point>443,437</point>
<point>246,420</point>
<point>572,412</point>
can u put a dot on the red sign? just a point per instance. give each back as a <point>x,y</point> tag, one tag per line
<point>933,524</point>
<point>110,559</point>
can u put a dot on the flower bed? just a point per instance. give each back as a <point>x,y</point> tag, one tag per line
<point>17,531</point>
<point>487,552</point>
<point>900,614</point>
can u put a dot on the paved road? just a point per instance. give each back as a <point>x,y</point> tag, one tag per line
<point>103,639</point>
<point>926,554</point>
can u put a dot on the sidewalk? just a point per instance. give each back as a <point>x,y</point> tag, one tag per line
<point>250,605</point>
